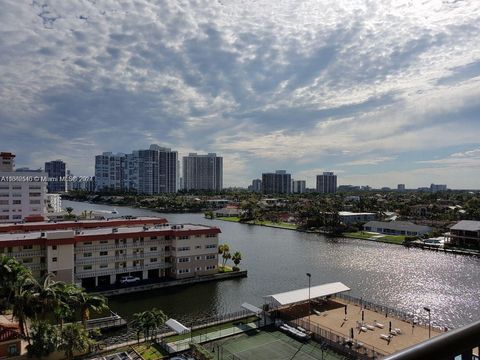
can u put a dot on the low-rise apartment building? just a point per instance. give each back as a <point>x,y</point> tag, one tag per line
<point>99,253</point>
<point>349,218</point>
<point>465,233</point>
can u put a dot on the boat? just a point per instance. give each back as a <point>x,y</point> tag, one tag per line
<point>114,211</point>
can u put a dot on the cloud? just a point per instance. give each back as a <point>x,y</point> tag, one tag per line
<point>284,84</point>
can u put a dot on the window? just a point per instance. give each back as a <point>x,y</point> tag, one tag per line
<point>210,257</point>
<point>211,235</point>
<point>153,248</point>
<point>183,271</point>
<point>16,187</point>
<point>3,202</point>
<point>16,217</point>
<point>17,202</point>
<point>103,266</point>
<point>89,254</point>
<point>198,269</point>
<point>87,243</point>
<point>198,258</point>
<point>210,267</point>
<point>183,260</point>
<point>211,246</point>
<point>16,195</point>
<point>103,241</point>
<point>54,259</point>
<point>27,247</point>
<point>35,187</point>
<point>153,238</point>
<point>103,253</point>
<point>35,194</point>
<point>4,195</point>
<point>183,237</point>
<point>34,202</point>
<point>153,260</point>
<point>3,187</point>
<point>87,267</point>
<point>54,247</point>
<point>185,248</point>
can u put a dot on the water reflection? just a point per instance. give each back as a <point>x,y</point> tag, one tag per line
<point>277,260</point>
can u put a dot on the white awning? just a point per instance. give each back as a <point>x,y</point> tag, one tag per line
<point>176,326</point>
<point>301,295</point>
<point>252,308</point>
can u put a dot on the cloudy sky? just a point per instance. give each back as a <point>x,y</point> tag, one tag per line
<point>381,92</point>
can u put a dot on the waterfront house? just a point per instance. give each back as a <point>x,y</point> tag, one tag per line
<point>404,228</point>
<point>465,233</point>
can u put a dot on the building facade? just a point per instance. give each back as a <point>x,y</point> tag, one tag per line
<point>299,186</point>
<point>434,188</point>
<point>405,228</point>
<point>327,183</point>
<point>203,172</point>
<point>279,182</point>
<point>151,171</point>
<point>100,253</point>
<point>110,172</point>
<point>257,185</point>
<point>465,233</point>
<point>22,193</point>
<point>57,170</point>
<point>349,218</point>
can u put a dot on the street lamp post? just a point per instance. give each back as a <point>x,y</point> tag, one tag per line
<point>309,304</point>
<point>429,321</point>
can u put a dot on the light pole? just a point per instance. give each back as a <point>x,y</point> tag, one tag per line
<point>309,305</point>
<point>429,321</point>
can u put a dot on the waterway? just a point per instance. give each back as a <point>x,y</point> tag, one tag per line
<point>278,260</point>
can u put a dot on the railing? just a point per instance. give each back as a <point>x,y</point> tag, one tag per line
<point>448,346</point>
<point>124,257</point>
<point>399,314</point>
<point>95,272</point>
<point>353,349</point>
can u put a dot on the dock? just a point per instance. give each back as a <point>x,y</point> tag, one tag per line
<point>114,321</point>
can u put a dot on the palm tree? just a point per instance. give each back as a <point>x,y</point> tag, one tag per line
<point>148,320</point>
<point>44,337</point>
<point>87,303</point>
<point>74,338</point>
<point>236,258</point>
<point>11,274</point>
<point>24,302</point>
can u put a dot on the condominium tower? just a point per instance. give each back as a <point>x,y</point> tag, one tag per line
<point>327,183</point>
<point>279,182</point>
<point>57,171</point>
<point>22,193</point>
<point>203,172</point>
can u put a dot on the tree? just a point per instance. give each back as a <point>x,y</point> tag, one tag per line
<point>74,338</point>
<point>69,210</point>
<point>11,274</point>
<point>148,320</point>
<point>24,302</point>
<point>236,258</point>
<point>44,340</point>
<point>87,303</point>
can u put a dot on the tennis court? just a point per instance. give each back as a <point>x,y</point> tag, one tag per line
<point>270,345</point>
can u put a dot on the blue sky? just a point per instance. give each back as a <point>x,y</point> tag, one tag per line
<point>382,92</point>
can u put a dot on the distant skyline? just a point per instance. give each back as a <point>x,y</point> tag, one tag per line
<point>379,92</point>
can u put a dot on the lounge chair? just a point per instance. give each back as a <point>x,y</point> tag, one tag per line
<point>399,331</point>
<point>385,337</point>
<point>378,325</point>
<point>370,327</point>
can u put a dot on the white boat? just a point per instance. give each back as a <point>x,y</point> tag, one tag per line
<point>114,211</point>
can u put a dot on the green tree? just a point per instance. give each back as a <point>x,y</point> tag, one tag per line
<point>236,258</point>
<point>44,340</point>
<point>148,322</point>
<point>87,303</point>
<point>12,273</point>
<point>74,338</point>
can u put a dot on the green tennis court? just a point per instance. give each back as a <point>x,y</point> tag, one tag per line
<point>270,345</point>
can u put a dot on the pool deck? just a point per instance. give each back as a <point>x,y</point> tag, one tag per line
<point>335,320</point>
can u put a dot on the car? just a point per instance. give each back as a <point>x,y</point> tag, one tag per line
<point>129,279</point>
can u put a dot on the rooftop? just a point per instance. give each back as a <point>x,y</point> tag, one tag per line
<point>469,225</point>
<point>397,225</point>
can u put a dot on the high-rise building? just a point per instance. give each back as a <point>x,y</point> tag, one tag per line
<point>327,183</point>
<point>437,188</point>
<point>256,185</point>
<point>110,172</point>
<point>279,182</point>
<point>150,171</point>
<point>203,172</point>
<point>401,187</point>
<point>22,193</point>
<point>299,186</point>
<point>57,173</point>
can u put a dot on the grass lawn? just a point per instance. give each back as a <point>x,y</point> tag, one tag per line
<point>150,351</point>
<point>365,235</point>
<point>224,269</point>
<point>209,329</point>
<point>230,218</point>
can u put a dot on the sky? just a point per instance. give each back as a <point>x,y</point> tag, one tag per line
<point>381,92</point>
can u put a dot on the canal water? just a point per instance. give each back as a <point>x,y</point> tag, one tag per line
<point>278,260</point>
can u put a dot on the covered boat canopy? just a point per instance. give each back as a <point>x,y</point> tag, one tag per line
<point>253,309</point>
<point>176,326</point>
<point>302,295</point>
